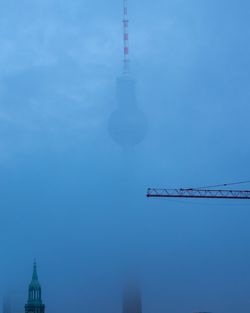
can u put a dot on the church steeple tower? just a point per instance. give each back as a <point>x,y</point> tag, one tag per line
<point>34,304</point>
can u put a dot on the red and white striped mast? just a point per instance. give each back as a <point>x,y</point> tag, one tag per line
<point>125,38</point>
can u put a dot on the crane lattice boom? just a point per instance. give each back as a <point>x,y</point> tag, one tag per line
<point>198,193</point>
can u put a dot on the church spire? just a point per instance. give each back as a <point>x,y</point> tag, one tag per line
<point>34,275</point>
<point>34,304</point>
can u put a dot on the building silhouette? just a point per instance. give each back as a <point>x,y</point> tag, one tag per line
<point>12,301</point>
<point>7,308</point>
<point>34,304</point>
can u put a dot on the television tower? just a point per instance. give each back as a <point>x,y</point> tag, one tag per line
<point>127,124</point>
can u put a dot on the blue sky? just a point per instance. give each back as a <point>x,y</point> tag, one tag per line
<point>70,195</point>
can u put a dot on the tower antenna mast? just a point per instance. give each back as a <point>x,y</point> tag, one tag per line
<point>125,38</point>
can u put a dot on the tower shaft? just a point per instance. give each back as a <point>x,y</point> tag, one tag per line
<point>132,300</point>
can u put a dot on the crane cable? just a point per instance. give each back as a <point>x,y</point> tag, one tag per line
<point>223,185</point>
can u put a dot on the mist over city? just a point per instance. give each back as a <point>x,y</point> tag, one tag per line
<point>99,101</point>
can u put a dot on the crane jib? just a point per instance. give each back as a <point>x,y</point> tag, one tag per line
<point>198,193</point>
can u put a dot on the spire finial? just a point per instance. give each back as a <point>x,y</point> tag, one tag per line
<point>34,275</point>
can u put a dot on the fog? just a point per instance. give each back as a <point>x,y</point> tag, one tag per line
<point>75,200</point>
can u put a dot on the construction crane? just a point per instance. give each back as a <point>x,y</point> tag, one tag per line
<point>201,192</point>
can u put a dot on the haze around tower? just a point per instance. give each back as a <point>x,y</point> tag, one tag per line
<point>62,196</point>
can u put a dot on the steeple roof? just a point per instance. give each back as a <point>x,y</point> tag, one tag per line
<point>34,282</point>
<point>34,303</point>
